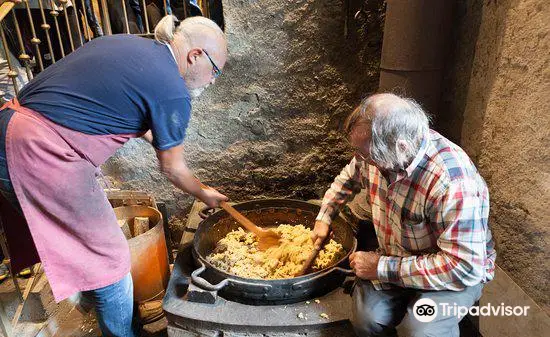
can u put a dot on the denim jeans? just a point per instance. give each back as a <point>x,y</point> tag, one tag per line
<point>134,4</point>
<point>114,307</point>
<point>6,188</point>
<point>387,313</point>
<point>92,20</point>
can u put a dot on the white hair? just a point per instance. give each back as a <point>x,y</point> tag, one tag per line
<point>167,28</point>
<point>392,119</point>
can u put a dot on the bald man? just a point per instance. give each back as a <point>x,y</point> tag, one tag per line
<point>430,212</point>
<point>68,121</point>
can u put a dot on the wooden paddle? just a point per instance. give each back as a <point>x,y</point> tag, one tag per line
<point>309,262</point>
<point>267,238</point>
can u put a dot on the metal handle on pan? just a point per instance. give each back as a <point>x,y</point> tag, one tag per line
<point>206,212</point>
<point>204,284</point>
<point>347,272</point>
<point>255,288</point>
<point>301,284</point>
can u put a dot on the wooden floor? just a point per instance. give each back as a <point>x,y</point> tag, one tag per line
<point>42,317</point>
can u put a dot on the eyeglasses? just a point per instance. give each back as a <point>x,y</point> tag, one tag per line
<point>359,155</point>
<point>215,70</point>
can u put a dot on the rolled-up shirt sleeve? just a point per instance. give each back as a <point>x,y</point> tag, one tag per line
<point>168,122</point>
<point>345,186</point>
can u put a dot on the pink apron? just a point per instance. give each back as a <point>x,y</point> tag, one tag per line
<point>74,229</point>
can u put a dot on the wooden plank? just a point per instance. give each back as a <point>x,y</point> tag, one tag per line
<point>28,287</point>
<point>119,198</point>
<point>193,220</point>
<point>141,225</point>
<point>192,223</point>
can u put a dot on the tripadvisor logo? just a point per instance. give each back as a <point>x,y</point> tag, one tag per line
<point>426,310</point>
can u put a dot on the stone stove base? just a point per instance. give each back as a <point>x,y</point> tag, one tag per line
<point>228,318</point>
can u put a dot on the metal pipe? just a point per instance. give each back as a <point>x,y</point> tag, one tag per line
<point>414,49</point>
<point>46,29</point>
<point>55,14</point>
<point>106,18</point>
<point>77,19</point>
<point>87,35</point>
<point>125,17</point>
<point>11,73</point>
<point>185,10</point>
<point>145,17</point>
<point>206,9</point>
<point>35,41</point>
<point>66,15</point>
<point>24,57</point>
<point>5,8</point>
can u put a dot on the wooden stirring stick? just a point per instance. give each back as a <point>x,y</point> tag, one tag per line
<point>267,238</point>
<point>309,262</point>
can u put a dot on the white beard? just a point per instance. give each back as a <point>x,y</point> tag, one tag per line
<point>195,93</point>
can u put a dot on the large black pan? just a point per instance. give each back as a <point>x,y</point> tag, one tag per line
<point>268,213</point>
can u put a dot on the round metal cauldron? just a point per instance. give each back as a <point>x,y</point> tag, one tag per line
<point>268,213</point>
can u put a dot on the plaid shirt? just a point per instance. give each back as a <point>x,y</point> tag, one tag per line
<point>431,219</point>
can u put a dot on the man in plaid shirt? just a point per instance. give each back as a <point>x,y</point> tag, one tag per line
<point>430,210</point>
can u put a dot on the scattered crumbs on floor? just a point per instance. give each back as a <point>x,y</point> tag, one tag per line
<point>317,301</point>
<point>325,316</point>
<point>308,302</point>
<point>301,315</point>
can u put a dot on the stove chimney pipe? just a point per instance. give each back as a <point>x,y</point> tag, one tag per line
<point>415,45</point>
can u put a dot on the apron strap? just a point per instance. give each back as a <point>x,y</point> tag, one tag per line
<point>12,104</point>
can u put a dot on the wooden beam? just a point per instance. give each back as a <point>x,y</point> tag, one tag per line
<point>30,283</point>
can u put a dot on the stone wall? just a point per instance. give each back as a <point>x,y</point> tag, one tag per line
<point>500,82</point>
<point>268,127</point>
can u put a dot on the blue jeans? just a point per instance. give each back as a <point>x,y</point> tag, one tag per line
<point>6,188</point>
<point>114,307</point>
<point>92,20</point>
<point>134,4</point>
<point>385,313</point>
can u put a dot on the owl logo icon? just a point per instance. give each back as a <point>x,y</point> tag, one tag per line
<point>425,310</point>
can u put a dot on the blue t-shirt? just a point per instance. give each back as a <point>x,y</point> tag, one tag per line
<point>119,84</point>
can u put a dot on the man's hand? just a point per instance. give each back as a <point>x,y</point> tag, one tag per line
<point>212,198</point>
<point>320,232</point>
<point>365,265</point>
